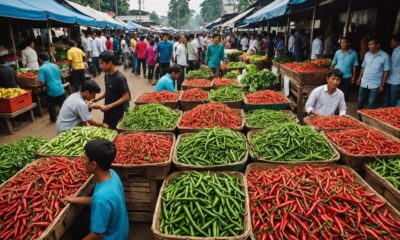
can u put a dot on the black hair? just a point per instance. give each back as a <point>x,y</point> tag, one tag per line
<point>345,38</point>
<point>165,34</point>
<point>174,69</point>
<point>71,43</point>
<point>335,73</point>
<point>44,56</point>
<point>396,38</point>
<point>373,39</point>
<point>101,151</point>
<point>191,36</point>
<point>107,57</point>
<point>215,35</point>
<point>98,33</point>
<point>91,86</point>
<point>29,41</point>
<point>152,42</point>
<point>141,38</point>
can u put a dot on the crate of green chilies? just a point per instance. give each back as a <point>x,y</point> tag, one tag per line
<point>202,206</point>
<point>263,118</point>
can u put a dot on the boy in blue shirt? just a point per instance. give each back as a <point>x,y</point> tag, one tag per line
<point>167,82</point>
<point>109,218</point>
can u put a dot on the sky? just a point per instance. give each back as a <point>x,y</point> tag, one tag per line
<point>161,6</point>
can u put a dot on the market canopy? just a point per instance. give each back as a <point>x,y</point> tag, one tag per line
<point>275,9</point>
<point>212,24</point>
<point>133,25</point>
<point>58,12</point>
<point>231,23</point>
<point>20,10</point>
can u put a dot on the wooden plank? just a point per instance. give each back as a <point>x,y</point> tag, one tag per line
<point>17,113</point>
<point>138,206</point>
<point>137,189</point>
<point>140,216</point>
<point>144,197</point>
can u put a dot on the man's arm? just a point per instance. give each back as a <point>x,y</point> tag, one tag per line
<point>309,107</point>
<point>361,76</point>
<point>342,106</point>
<point>78,200</point>
<point>94,236</point>
<point>353,78</point>
<point>122,100</point>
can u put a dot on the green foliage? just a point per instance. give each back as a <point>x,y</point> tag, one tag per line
<point>154,17</point>
<point>258,80</point>
<point>106,5</point>
<point>211,10</point>
<point>178,13</point>
<point>244,4</point>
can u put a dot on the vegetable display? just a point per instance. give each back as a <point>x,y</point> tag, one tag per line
<point>225,81</point>
<point>258,58</point>
<point>28,75</point>
<point>235,65</point>
<point>323,62</point>
<point>390,115</point>
<point>8,93</point>
<point>333,122</point>
<point>14,156</point>
<point>142,148</point>
<point>201,73</point>
<point>198,82</point>
<point>31,201</point>
<point>316,202</point>
<point>304,67</point>
<point>234,56</point>
<point>72,142</point>
<point>203,205</point>
<point>282,59</point>
<point>290,142</point>
<point>228,93</point>
<point>162,96</point>
<point>259,80</point>
<point>263,118</point>
<point>364,141</point>
<point>214,146</point>
<point>232,74</point>
<point>152,116</point>
<point>212,114</point>
<point>389,169</point>
<point>266,97</point>
<point>194,94</point>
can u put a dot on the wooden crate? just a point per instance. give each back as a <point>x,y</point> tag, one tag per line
<point>205,88</point>
<point>307,122</point>
<point>313,78</point>
<point>172,105</point>
<point>379,124</point>
<point>298,95</point>
<point>288,112</point>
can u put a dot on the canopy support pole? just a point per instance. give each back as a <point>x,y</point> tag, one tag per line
<point>346,25</point>
<point>312,26</point>
<point>49,30</point>
<point>13,41</point>
<point>287,34</point>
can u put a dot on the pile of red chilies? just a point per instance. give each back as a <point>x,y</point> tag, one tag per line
<point>162,96</point>
<point>304,67</point>
<point>225,81</point>
<point>333,122</point>
<point>364,141</point>
<point>32,199</point>
<point>194,94</point>
<point>198,82</point>
<point>310,202</point>
<point>390,115</point>
<point>142,148</point>
<point>210,115</point>
<point>265,97</point>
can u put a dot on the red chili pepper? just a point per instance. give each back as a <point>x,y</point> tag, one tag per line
<point>266,97</point>
<point>225,81</point>
<point>304,67</point>
<point>333,122</point>
<point>390,115</point>
<point>194,94</point>
<point>161,96</point>
<point>197,83</point>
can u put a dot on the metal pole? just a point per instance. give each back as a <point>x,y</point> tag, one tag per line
<point>287,35</point>
<point>116,7</point>
<point>312,27</point>
<point>49,30</point>
<point>346,25</point>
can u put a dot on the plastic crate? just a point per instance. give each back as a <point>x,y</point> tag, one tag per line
<point>14,104</point>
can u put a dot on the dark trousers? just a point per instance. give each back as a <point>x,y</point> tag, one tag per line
<point>164,68</point>
<point>51,105</point>
<point>150,72</point>
<point>216,72</point>
<point>95,65</point>
<point>181,78</point>
<point>191,65</point>
<point>200,60</point>
<point>367,95</point>
<point>392,95</point>
<point>77,79</point>
<point>345,86</point>
<point>143,63</point>
<point>117,58</point>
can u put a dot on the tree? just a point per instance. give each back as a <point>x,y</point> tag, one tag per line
<point>178,13</point>
<point>211,10</point>
<point>243,4</point>
<point>154,17</point>
<point>106,5</point>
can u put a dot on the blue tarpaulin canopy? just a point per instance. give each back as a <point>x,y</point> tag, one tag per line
<point>275,9</point>
<point>58,12</point>
<point>133,25</point>
<point>20,10</point>
<point>212,24</point>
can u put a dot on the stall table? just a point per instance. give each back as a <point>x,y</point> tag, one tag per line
<point>8,116</point>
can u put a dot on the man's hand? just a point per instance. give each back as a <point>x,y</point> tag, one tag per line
<point>382,88</point>
<point>353,80</point>
<point>70,199</point>
<point>105,108</point>
<point>94,106</point>
<point>104,125</point>
<point>358,81</point>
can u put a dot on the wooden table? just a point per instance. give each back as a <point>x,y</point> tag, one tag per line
<point>8,116</point>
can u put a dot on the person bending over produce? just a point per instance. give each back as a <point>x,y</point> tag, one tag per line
<point>75,111</point>
<point>327,99</point>
<point>167,81</point>
<point>109,218</point>
<point>117,94</point>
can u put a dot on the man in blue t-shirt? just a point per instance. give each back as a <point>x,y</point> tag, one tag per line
<point>50,77</point>
<point>167,82</point>
<point>165,53</point>
<point>109,218</point>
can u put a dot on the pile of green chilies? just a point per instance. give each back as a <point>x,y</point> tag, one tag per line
<point>153,116</point>
<point>389,169</point>
<point>227,94</point>
<point>14,156</point>
<point>264,118</point>
<point>203,205</point>
<point>290,142</point>
<point>214,146</point>
<point>73,141</point>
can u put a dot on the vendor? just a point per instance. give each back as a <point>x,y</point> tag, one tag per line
<point>29,56</point>
<point>108,217</point>
<point>75,111</point>
<point>7,76</point>
<point>167,81</point>
<point>327,99</point>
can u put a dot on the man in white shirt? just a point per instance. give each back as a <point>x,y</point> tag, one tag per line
<point>200,49</point>
<point>181,60</point>
<point>291,41</point>
<point>29,56</point>
<point>125,51</point>
<point>317,48</point>
<point>192,52</point>
<point>94,53</point>
<point>244,43</point>
<point>326,100</point>
<point>86,45</point>
<point>101,44</point>
<point>251,44</point>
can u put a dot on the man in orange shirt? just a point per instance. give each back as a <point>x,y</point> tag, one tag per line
<point>141,55</point>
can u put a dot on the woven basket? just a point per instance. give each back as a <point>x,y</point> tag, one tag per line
<point>379,124</point>
<point>237,166</point>
<point>252,156</point>
<point>156,171</point>
<point>172,105</point>
<point>155,227</point>
<point>186,87</point>
<point>211,77</point>
<point>307,122</point>
<point>189,105</point>
<point>289,113</point>
<point>272,106</point>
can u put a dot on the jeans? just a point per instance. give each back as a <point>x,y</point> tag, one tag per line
<point>345,86</point>
<point>141,62</point>
<point>200,60</point>
<point>51,105</point>
<point>95,65</point>
<point>150,73</point>
<point>117,58</point>
<point>164,68</point>
<point>369,95</point>
<point>191,65</point>
<point>134,62</point>
<point>392,94</point>
<point>181,78</point>
<point>126,60</point>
